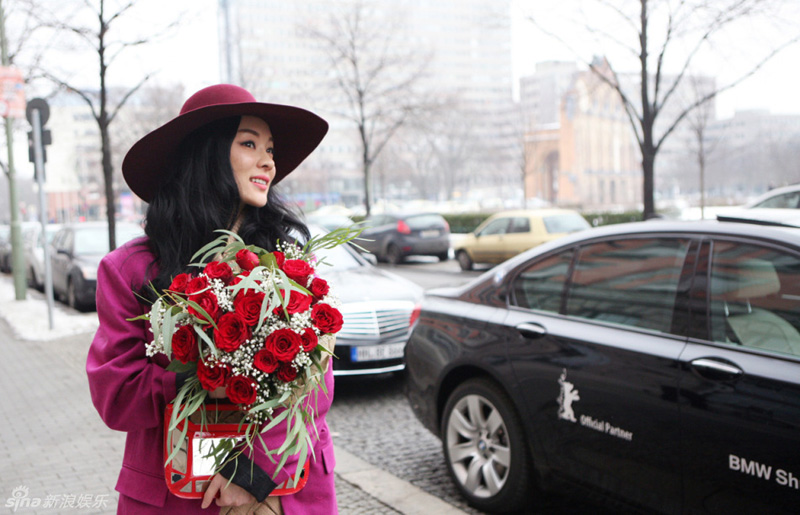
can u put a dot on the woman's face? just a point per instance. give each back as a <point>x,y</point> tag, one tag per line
<point>252,160</point>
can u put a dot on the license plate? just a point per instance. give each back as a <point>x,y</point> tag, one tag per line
<point>429,234</point>
<point>377,352</point>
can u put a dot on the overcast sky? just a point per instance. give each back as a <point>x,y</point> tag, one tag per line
<point>191,57</point>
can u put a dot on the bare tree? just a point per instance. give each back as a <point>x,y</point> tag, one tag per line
<point>93,26</point>
<point>376,80</point>
<point>657,32</point>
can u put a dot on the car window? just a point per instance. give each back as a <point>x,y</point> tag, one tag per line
<point>336,259</point>
<point>520,224</point>
<point>541,285</point>
<point>499,226</point>
<point>94,240</point>
<point>630,282</point>
<point>424,222</point>
<point>789,200</point>
<point>755,297</point>
<point>566,223</point>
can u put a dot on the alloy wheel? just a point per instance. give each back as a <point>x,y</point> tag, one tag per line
<point>478,446</point>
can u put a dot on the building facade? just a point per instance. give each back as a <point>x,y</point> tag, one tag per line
<point>588,157</point>
<point>464,45</point>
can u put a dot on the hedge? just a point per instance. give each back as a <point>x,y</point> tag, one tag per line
<point>467,222</point>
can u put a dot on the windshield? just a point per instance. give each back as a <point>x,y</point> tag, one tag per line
<point>94,240</point>
<point>337,258</point>
<point>558,224</point>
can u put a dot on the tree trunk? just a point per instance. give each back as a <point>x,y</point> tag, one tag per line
<point>108,178</point>
<point>648,167</point>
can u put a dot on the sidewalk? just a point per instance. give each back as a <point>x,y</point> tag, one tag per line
<point>57,456</point>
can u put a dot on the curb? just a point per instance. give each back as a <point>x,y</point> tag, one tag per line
<point>388,489</point>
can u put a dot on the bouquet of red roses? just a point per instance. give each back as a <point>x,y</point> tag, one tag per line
<point>255,323</point>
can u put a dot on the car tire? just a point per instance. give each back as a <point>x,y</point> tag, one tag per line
<point>394,255</point>
<point>72,296</point>
<point>484,447</point>
<point>32,283</point>
<point>464,261</point>
<point>444,256</point>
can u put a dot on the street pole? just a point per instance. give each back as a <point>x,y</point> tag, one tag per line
<point>17,258</point>
<point>39,166</point>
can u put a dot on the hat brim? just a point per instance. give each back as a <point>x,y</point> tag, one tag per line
<point>295,132</point>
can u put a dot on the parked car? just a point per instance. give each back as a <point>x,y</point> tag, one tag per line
<point>379,309</point>
<point>34,242</point>
<point>504,235</point>
<point>5,248</point>
<point>658,362</point>
<point>329,221</point>
<point>393,237</point>
<point>787,197</point>
<point>76,253</point>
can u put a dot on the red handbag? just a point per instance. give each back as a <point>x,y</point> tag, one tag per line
<point>189,472</point>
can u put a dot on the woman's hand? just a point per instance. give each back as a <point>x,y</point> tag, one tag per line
<point>229,494</point>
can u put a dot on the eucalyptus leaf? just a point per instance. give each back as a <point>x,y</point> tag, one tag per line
<point>176,366</point>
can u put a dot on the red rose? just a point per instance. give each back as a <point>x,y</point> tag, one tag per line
<point>248,305</point>
<point>310,340</point>
<point>327,318</point>
<point>296,303</point>
<point>219,270</point>
<point>241,390</point>
<point>184,344</point>
<point>280,258</point>
<point>265,361</point>
<point>238,278</point>
<point>283,344</point>
<point>231,332</point>
<point>286,372</point>
<point>206,300</point>
<point>179,283</point>
<point>246,259</point>
<point>319,287</point>
<point>212,377</point>
<point>298,270</point>
<point>197,284</point>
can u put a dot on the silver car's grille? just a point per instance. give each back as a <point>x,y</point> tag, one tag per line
<point>379,320</point>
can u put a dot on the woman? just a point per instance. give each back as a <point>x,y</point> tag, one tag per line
<point>214,166</point>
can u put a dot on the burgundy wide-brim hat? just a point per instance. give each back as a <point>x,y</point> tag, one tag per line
<point>295,133</point>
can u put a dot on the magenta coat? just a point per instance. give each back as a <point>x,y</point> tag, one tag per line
<point>130,392</point>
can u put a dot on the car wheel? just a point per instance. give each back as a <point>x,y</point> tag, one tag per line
<point>32,283</point>
<point>484,447</point>
<point>444,256</point>
<point>72,297</point>
<point>394,255</point>
<point>464,261</point>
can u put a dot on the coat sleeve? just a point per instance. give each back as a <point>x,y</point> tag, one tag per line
<point>128,390</point>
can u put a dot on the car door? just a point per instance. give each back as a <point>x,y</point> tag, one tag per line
<point>60,259</point>
<point>596,358</point>
<point>519,237</point>
<point>375,229</point>
<point>740,381</point>
<point>489,241</point>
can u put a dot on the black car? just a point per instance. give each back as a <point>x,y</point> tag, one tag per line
<point>379,309</point>
<point>392,237</point>
<point>658,362</point>
<point>76,253</point>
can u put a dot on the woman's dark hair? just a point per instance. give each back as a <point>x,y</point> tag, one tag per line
<point>201,196</point>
